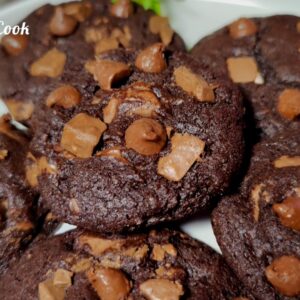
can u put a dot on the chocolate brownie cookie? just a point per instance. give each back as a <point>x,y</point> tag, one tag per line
<point>159,148</point>
<point>62,38</point>
<point>16,198</point>
<point>157,265</point>
<point>262,56</point>
<point>259,230</point>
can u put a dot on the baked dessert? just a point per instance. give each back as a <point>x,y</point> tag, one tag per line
<point>17,220</point>
<point>261,55</point>
<point>157,265</point>
<point>62,38</point>
<point>259,230</point>
<point>160,146</point>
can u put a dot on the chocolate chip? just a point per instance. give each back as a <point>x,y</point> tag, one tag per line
<point>20,110</point>
<point>193,84</point>
<point>287,161</point>
<point>109,73</point>
<point>47,290</point>
<point>37,167</point>
<point>186,149</point>
<point>289,212</point>
<point>114,152</point>
<point>110,110</point>
<point>146,136</point>
<point>162,289</point>
<point>298,26</point>
<point>80,10</point>
<point>51,64</point>
<point>170,273</point>
<point>289,104</point>
<point>65,96</point>
<point>241,28</point>
<point>110,284</point>
<point>62,24</point>
<point>121,9</point>
<point>62,278</point>
<point>284,275</point>
<point>160,25</point>
<point>159,251</point>
<point>151,59</point>
<point>3,154</point>
<point>106,44</point>
<point>55,288</point>
<point>97,245</point>
<point>81,134</point>
<point>242,69</point>
<point>7,129</point>
<point>14,44</point>
<point>123,36</point>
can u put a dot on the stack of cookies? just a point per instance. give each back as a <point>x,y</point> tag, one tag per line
<point>128,134</point>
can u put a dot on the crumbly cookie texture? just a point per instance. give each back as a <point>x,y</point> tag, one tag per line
<point>62,39</point>
<point>148,147</point>
<point>154,265</point>
<point>259,230</point>
<point>261,55</point>
<point>17,222</point>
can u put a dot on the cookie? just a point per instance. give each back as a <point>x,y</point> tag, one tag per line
<point>61,40</point>
<point>17,221</point>
<point>157,265</point>
<point>159,147</point>
<point>259,230</point>
<point>262,56</point>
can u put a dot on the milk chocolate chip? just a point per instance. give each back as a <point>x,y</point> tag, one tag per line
<point>151,59</point>
<point>241,28</point>
<point>298,26</point>
<point>80,10</point>
<point>289,104</point>
<point>122,9</point>
<point>48,291</point>
<point>97,245</point>
<point>149,103</point>
<point>146,136</point>
<point>242,69</point>
<point>62,24</point>
<point>81,134</point>
<point>108,73</point>
<point>37,167</point>
<point>186,149</point>
<point>106,44</point>
<point>62,278</point>
<point>284,275</point>
<point>114,152</point>
<point>287,161</point>
<point>159,251</point>
<point>160,25</point>
<point>123,36</point>
<point>65,96</point>
<point>193,84</point>
<point>110,284</point>
<point>3,154</point>
<point>20,110</point>
<point>51,64</point>
<point>14,44</point>
<point>55,288</point>
<point>289,212</point>
<point>110,110</point>
<point>162,289</point>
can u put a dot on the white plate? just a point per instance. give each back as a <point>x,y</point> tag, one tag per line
<point>193,19</point>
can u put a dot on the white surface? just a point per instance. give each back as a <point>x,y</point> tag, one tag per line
<point>193,19</point>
